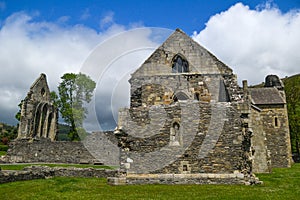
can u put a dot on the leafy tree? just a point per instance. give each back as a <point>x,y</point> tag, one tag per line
<point>73,92</point>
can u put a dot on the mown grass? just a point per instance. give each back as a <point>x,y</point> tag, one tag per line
<point>281,184</point>
<point>2,153</point>
<point>21,166</point>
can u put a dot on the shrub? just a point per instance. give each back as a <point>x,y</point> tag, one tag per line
<point>3,147</point>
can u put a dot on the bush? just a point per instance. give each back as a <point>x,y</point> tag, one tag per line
<point>4,140</point>
<point>3,147</point>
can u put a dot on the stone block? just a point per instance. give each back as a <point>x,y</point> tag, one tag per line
<point>116,181</point>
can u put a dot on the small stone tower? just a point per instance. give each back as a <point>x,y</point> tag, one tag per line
<point>38,114</point>
<point>269,121</point>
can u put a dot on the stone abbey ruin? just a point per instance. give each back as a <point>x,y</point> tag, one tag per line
<point>188,123</point>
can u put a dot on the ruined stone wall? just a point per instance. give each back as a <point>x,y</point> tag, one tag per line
<point>38,115</point>
<point>275,125</point>
<point>103,146</point>
<point>211,141</point>
<point>100,147</point>
<point>42,172</point>
<point>148,90</point>
<point>261,154</point>
<point>44,150</point>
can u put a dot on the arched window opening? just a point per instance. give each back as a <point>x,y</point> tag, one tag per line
<point>180,96</point>
<point>175,134</point>
<point>43,121</point>
<point>50,117</point>
<point>180,65</point>
<point>43,91</point>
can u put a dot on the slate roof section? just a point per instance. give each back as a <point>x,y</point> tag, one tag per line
<point>266,96</point>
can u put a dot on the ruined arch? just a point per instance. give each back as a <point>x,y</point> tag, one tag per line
<point>38,114</point>
<point>180,96</point>
<point>44,116</point>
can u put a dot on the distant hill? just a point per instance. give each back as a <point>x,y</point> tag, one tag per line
<point>292,91</point>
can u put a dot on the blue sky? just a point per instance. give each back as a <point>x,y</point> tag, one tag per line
<point>188,15</point>
<point>253,37</point>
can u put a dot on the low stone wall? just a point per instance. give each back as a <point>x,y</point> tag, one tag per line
<point>42,172</point>
<point>44,150</point>
<point>19,175</point>
<point>98,147</point>
<point>174,179</point>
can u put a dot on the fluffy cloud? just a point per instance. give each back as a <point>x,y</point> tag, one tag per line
<point>254,42</point>
<point>30,47</point>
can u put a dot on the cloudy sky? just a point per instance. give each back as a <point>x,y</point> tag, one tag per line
<point>110,39</point>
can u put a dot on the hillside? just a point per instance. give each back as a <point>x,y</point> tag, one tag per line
<point>292,90</point>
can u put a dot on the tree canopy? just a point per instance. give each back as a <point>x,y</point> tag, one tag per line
<point>73,92</point>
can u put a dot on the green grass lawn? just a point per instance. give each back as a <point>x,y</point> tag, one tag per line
<point>281,184</point>
<point>21,166</point>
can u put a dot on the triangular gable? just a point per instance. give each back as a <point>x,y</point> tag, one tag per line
<point>200,60</point>
<point>39,90</point>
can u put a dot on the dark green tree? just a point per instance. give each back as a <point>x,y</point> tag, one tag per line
<point>73,92</point>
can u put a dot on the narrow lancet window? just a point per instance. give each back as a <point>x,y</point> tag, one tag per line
<point>276,122</point>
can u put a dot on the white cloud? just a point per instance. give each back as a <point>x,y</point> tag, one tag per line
<point>254,42</point>
<point>30,47</point>
<point>107,20</point>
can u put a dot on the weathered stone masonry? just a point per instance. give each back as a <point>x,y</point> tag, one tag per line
<point>38,114</point>
<point>36,141</point>
<point>188,123</point>
<point>185,119</point>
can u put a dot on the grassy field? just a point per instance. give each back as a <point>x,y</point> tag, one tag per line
<point>281,184</point>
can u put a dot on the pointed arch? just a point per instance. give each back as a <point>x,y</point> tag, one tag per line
<point>179,64</point>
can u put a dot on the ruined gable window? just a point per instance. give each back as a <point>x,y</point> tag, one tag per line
<point>43,91</point>
<point>180,65</point>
